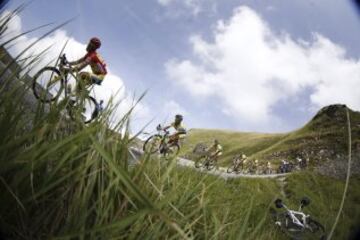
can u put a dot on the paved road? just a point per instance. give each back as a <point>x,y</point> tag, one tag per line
<point>135,155</point>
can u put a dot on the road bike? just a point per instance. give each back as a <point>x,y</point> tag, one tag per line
<point>54,84</point>
<point>297,224</point>
<point>160,143</point>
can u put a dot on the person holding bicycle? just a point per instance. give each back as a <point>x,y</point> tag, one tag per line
<point>179,128</point>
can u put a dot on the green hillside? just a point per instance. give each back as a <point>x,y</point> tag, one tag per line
<point>321,139</point>
<point>232,142</point>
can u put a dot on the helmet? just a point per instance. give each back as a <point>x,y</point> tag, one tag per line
<point>216,141</point>
<point>96,42</point>
<point>243,156</point>
<point>179,117</point>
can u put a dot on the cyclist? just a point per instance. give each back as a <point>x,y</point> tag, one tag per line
<point>268,168</point>
<point>245,162</point>
<point>215,151</point>
<point>179,128</point>
<point>255,166</point>
<point>241,160</point>
<point>237,160</point>
<point>301,162</point>
<point>92,59</point>
<point>284,166</point>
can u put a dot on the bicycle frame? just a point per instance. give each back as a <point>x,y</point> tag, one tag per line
<point>64,63</point>
<point>296,216</point>
<point>237,163</point>
<point>296,223</point>
<point>88,88</point>
<point>164,136</point>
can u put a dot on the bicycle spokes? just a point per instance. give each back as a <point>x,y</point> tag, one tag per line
<point>83,109</point>
<point>48,84</point>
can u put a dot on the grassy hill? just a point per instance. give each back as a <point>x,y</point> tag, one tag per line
<point>233,142</point>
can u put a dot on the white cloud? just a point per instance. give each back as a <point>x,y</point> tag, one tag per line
<point>194,6</point>
<point>250,69</point>
<point>165,2</point>
<point>172,108</point>
<point>112,86</point>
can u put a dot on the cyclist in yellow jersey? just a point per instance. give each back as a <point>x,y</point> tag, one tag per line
<point>179,127</point>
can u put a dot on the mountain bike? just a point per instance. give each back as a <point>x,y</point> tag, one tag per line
<point>207,161</point>
<point>160,143</point>
<point>236,166</point>
<point>54,83</point>
<point>297,224</point>
<point>250,167</point>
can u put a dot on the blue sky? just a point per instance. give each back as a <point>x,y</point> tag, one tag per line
<point>243,65</point>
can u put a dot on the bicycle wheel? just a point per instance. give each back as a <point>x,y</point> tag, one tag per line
<point>48,84</point>
<point>152,144</point>
<point>171,151</point>
<point>230,169</point>
<point>315,230</point>
<point>238,170</point>
<point>83,109</point>
<point>284,222</point>
<point>210,165</point>
<point>199,162</point>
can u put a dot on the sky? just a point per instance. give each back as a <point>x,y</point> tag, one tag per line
<point>242,65</point>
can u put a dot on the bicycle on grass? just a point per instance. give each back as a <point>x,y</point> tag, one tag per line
<point>297,224</point>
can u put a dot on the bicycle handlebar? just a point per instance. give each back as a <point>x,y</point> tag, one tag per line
<point>159,128</point>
